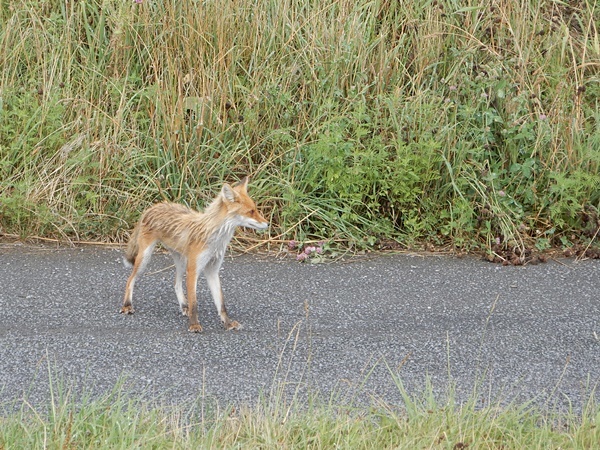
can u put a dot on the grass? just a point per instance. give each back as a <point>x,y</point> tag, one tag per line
<point>446,122</point>
<point>117,420</point>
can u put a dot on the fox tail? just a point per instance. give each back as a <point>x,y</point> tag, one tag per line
<point>132,248</point>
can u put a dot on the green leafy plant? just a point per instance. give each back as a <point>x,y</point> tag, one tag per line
<point>357,120</point>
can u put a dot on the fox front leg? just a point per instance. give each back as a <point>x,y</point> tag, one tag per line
<point>191,282</point>
<point>211,272</point>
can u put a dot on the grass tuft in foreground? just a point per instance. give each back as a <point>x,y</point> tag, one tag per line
<point>118,421</point>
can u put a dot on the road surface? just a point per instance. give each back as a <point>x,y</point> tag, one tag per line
<point>350,328</point>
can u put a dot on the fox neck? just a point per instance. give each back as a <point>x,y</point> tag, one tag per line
<point>218,224</point>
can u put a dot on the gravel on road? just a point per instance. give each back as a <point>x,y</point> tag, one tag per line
<point>350,329</point>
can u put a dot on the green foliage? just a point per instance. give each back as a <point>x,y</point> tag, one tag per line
<point>416,121</point>
<point>118,419</point>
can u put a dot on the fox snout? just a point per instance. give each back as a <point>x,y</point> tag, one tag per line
<point>258,223</point>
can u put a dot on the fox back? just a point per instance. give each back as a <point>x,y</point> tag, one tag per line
<point>180,228</point>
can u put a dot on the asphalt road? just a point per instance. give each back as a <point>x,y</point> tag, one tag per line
<point>346,328</point>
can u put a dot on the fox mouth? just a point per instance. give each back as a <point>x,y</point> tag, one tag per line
<point>256,225</point>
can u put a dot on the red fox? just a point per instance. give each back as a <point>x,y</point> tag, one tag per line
<point>197,242</point>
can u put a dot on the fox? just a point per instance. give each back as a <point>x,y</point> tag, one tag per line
<point>197,242</point>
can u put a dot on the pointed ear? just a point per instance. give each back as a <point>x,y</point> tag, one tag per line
<point>243,183</point>
<point>228,193</point>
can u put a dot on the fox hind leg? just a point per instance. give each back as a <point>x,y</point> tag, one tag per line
<point>141,261</point>
<point>180,264</point>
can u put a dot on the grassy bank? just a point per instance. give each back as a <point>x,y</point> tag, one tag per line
<point>117,420</point>
<point>446,122</point>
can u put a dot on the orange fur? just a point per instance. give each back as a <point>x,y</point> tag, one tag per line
<point>197,241</point>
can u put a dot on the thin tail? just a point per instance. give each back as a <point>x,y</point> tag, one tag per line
<point>132,248</point>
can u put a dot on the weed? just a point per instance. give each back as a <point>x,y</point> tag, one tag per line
<point>422,121</point>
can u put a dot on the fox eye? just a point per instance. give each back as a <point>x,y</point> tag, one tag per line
<point>251,211</point>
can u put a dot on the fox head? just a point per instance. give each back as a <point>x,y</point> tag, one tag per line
<point>241,206</point>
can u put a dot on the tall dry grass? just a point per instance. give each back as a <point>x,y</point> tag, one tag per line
<point>440,121</point>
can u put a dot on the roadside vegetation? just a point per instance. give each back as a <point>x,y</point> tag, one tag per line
<point>473,125</point>
<point>120,420</point>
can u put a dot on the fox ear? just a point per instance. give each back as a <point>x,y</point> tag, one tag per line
<point>228,193</point>
<point>243,183</point>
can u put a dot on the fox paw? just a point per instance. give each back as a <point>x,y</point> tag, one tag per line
<point>128,309</point>
<point>233,325</point>
<point>195,328</point>
<point>184,311</point>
